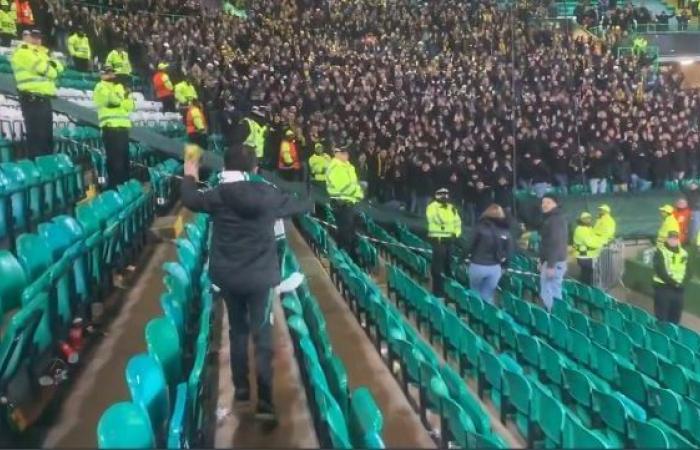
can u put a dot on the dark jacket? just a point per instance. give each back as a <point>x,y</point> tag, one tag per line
<point>693,199</point>
<point>491,243</point>
<point>243,249</point>
<point>555,235</point>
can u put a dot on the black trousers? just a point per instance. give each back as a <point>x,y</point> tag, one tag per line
<point>346,221</point>
<point>201,139</point>
<point>38,124</point>
<point>168,104</point>
<point>81,64</point>
<point>586,265</point>
<point>291,175</point>
<point>440,264</point>
<point>251,313</point>
<point>116,142</point>
<point>668,303</point>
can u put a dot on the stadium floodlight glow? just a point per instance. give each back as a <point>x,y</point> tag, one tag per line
<point>686,62</point>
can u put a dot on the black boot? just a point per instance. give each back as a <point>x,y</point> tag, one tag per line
<point>242,393</point>
<point>265,409</point>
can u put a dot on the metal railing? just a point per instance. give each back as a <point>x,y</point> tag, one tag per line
<point>609,267</point>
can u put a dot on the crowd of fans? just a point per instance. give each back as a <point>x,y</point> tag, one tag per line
<point>427,94</point>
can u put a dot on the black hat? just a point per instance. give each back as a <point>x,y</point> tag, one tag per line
<point>442,192</point>
<point>36,33</point>
<point>340,148</point>
<point>107,69</point>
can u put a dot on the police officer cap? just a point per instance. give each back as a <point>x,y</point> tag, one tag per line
<point>442,192</point>
<point>673,234</point>
<point>107,69</point>
<point>35,33</point>
<point>259,110</point>
<point>341,148</point>
<point>26,33</point>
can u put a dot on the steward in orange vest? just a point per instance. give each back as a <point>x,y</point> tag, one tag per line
<point>288,162</point>
<point>25,16</point>
<point>163,88</point>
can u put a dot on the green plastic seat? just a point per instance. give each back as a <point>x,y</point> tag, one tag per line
<point>648,361</point>
<point>689,338</point>
<point>163,342</point>
<point>33,184</point>
<point>12,282</point>
<point>550,418</point>
<point>647,435</point>
<point>677,377</point>
<point>599,333</point>
<point>621,343</point>
<point>560,336</point>
<point>580,389</point>
<point>365,420</point>
<point>54,194</point>
<point>462,396</point>
<point>125,425</point>
<point>615,411</point>
<point>523,314</point>
<point>337,378</point>
<point>149,390</point>
<point>578,435</point>
<point>551,365</point>
<point>635,385</point>
<point>179,420</point>
<point>458,427</point>
<point>675,439</point>
<point>580,349</point>
<point>580,322</point>
<point>541,321</point>
<point>332,417</point>
<point>470,349</point>
<point>636,331</point>
<point>614,318</point>
<point>16,187</point>
<point>683,355</point>
<point>452,329</point>
<point>519,399</point>
<point>528,351</point>
<point>20,337</point>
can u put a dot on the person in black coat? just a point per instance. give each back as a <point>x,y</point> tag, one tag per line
<point>489,250</point>
<point>244,260</point>
<point>554,232</point>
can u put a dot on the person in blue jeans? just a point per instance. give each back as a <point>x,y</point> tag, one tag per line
<point>553,251</point>
<point>490,248</point>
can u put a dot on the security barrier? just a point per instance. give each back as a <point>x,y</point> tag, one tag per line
<point>609,267</point>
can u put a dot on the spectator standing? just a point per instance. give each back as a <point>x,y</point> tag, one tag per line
<point>621,173</point>
<point>244,262</point>
<point>598,172</point>
<point>489,250</point>
<point>541,177</point>
<point>553,251</point>
<point>692,194</point>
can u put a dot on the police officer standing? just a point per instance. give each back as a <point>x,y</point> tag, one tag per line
<point>114,104</point>
<point>318,164</point>
<point>35,74</point>
<point>185,92</point>
<point>253,131</point>
<point>587,245</point>
<point>118,59</point>
<point>79,50</point>
<point>670,273</point>
<point>605,225</point>
<point>345,192</point>
<point>8,22</point>
<point>444,227</point>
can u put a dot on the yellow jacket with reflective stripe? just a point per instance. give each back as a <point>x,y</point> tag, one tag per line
<point>119,60</point>
<point>35,72</point>
<point>587,243</point>
<point>79,47</point>
<point>114,105</point>
<point>605,227</point>
<point>184,93</point>
<point>8,18</point>
<point>669,224</point>
<point>256,137</point>
<point>675,264</point>
<point>318,164</point>
<point>342,183</point>
<point>443,220</point>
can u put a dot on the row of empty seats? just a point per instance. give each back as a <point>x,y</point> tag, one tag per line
<point>626,376</point>
<point>49,284</point>
<point>442,390</point>
<point>32,191</point>
<point>167,383</point>
<point>342,419</point>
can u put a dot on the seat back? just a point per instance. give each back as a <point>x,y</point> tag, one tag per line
<point>163,342</point>
<point>16,187</point>
<point>149,390</point>
<point>125,425</point>
<point>12,282</point>
<point>365,419</point>
<point>34,254</point>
